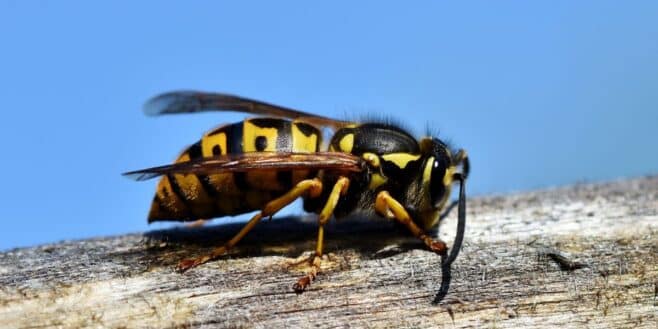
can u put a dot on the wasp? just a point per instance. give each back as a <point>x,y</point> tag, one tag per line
<point>266,162</point>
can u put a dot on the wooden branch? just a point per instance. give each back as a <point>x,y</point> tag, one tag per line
<point>581,256</point>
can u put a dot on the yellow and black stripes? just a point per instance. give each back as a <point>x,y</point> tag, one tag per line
<point>189,197</point>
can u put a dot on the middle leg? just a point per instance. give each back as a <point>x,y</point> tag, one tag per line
<point>340,188</point>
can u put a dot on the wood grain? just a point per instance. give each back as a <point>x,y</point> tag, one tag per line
<point>578,256</point>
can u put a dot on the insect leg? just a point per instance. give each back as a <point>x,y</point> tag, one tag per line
<point>340,188</point>
<point>385,204</point>
<point>314,188</point>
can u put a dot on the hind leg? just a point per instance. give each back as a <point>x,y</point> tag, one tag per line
<point>312,186</point>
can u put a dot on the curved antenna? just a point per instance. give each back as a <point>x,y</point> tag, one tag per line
<point>461,224</point>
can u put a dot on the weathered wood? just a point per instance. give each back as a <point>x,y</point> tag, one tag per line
<point>581,256</point>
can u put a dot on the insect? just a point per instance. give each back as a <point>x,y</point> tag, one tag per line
<point>265,163</point>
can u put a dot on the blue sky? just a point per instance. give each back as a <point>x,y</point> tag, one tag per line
<point>540,94</point>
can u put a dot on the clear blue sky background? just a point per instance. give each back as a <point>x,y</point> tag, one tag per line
<point>541,94</point>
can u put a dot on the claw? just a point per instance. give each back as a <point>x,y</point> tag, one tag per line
<point>301,284</point>
<point>187,264</point>
<point>438,247</point>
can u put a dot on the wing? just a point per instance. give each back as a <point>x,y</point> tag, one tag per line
<point>255,161</point>
<point>194,101</point>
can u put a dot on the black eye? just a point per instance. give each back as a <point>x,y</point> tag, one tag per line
<point>437,188</point>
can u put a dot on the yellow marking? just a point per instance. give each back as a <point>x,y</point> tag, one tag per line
<point>189,184</point>
<point>447,178</point>
<point>376,180</point>
<point>251,131</point>
<point>301,142</point>
<point>192,190</point>
<point>427,172</point>
<point>172,206</point>
<point>223,183</point>
<point>400,159</point>
<point>371,158</point>
<point>264,180</point>
<point>346,143</point>
<point>209,142</point>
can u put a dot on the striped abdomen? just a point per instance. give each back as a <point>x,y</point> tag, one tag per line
<point>191,197</point>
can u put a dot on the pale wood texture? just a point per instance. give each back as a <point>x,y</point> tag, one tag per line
<point>580,256</point>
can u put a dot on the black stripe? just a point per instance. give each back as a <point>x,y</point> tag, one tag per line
<point>162,209</point>
<point>219,129</point>
<point>401,175</point>
<point>269,123</point>
<point>307,129</point>
<point>157,200</point>
<point>234,139</point>
<point>179,193</point>
<point>195,152</point>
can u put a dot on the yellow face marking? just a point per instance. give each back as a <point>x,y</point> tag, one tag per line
<point>346,143</point>
<point>212,143</point>
<point>400,159</point>
<point>377,180</point>
<point>427,172</point>
<point>303,143</point>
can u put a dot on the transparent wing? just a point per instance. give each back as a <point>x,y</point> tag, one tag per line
<point>195,101</point>
<point>255,161</point>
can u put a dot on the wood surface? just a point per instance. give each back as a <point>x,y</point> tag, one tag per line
<point>583,256</point>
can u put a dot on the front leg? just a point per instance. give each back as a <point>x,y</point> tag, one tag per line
<point>387,206</point>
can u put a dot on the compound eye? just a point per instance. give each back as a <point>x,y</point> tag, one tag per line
<point>437,187</point>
